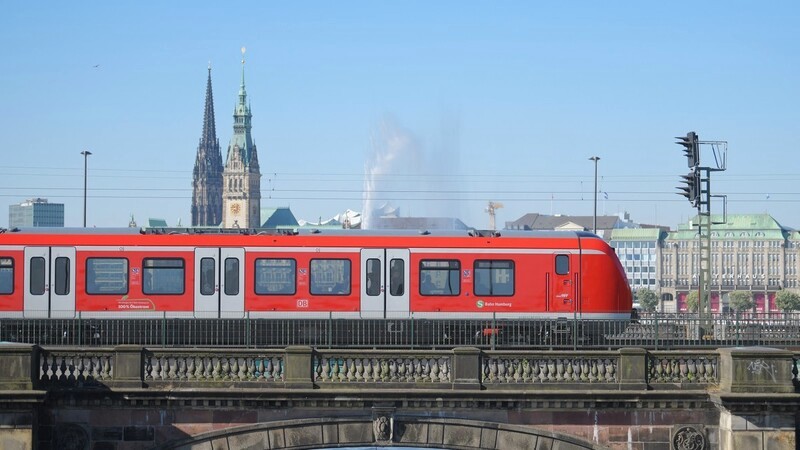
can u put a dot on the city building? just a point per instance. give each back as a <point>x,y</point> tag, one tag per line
<point>605,224</point>
<point>281,217</point>
<point>36,212</point>
<point>241,178</point>
<point>749,252</point>
<point>207,175</point>
<point>638,252</point>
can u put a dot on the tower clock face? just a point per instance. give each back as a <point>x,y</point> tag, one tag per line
<point>236,209</point>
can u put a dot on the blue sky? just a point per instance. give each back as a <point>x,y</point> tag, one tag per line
<point>467,102</point>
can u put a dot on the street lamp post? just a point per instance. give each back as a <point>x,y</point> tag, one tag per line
<point>85,154</point>
<point>594,216</point>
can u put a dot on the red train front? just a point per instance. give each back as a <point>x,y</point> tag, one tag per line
<point>346,274</point>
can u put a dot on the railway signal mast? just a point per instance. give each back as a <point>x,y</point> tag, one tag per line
<point>697,189</point>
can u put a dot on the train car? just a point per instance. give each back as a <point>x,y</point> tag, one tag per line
<point>50,273</point>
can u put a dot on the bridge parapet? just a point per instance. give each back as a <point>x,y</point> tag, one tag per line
<point>731,398</point>
<point>460,368</point>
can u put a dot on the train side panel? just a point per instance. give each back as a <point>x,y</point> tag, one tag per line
<point>135,280</point>
<point>604,288</point>
<point>11,280</point>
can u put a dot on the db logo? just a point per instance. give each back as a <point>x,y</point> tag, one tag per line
<point>479,303</point>
<point>302,303</point>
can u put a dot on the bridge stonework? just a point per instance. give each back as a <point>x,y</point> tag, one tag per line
<point>129,397</point>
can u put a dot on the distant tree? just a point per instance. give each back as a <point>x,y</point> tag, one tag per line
<point>787,301</point>
<point>648,299</point>
<point>691,301</point>
<point>741,300</point>
<point>692,305</point>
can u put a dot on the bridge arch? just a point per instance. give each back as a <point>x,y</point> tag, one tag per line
<point>381,431</point>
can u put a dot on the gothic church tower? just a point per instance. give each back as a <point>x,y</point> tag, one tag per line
<point>207,176</point>
<point>241,179</point>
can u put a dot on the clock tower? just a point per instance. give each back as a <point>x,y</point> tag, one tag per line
<point>241,178</point>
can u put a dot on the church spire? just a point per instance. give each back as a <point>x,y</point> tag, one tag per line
<point>207,175</point>
<point>209,123</point>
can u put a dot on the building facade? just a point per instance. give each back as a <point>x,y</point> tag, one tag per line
<point>749,252</point>
<point>207,175</point>
<point>241,178</point>
<point>639,252</point>
<point>36,212</point>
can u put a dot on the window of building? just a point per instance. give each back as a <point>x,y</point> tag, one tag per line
<point>163,276</point>
<point>107,276</point>
<point>494,278</point>
<point>330,276</point>
<point>440,277</point>
<point>275,276</point>
<point>6,276</point>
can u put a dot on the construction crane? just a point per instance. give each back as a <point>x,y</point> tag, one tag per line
<point>491,208</point>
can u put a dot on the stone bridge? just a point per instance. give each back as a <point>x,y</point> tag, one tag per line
<point>130,397</point>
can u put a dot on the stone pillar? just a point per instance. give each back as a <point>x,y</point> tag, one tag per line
<point>466,368</point>
<point>298,367</point>
<point>128,366</point>
<point>755,370</point>
<point>18,364</point>
<point>632,369</point>
<point>750,378</point>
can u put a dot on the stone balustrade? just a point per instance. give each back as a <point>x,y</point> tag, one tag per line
<point>727,398</point>
<point>461,368</point>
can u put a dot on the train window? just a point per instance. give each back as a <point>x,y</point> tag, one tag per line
<point>440,277</point>
<point>373,277</point>
<point>37,279</point>
<point>231,276</point>
<point>562,264</point>
<point>330,276</point>
<point>164,276</point>
<point>396,274</point>
<point>107,276</point>
<point>494,278</point>
<point>6,275</point>
<point>62,275</point>
<point>276,276</point>
<point>208,276</point>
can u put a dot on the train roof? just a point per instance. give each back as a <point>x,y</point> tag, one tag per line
<point>301,232</point>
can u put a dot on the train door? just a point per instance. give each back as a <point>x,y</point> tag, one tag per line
<point>49,282</point>
<point>562,287</point>
<point>37,290</point>
<point>231,287</point>
<point>206,282</point>
<point>384,283</point>
<point>62,282</point>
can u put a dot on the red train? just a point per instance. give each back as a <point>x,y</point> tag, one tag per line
<point>340,273</point>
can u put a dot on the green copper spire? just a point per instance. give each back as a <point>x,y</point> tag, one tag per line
<point>242,139</point>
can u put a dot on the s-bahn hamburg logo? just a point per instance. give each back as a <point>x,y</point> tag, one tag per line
<point>479,303</point>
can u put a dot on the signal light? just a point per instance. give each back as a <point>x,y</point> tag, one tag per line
<point>691,148</point>
<point>691,188</point>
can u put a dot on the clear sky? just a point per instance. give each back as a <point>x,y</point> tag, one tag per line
<point>466,102</point>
